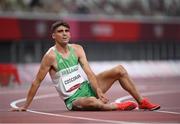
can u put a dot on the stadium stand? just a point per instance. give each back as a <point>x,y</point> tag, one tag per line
<point>103,7</point>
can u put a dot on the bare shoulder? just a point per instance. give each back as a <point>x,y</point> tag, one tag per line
<point>50,55</point>
<point>77,46</point>
<point>78,50</point>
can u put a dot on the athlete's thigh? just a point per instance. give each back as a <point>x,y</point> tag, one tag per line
<point>107,78</point>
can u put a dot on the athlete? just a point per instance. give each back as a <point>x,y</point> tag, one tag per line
<point>63,61</point>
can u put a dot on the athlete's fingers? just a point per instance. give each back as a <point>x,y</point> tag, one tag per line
<point>103,98</point>
<point>18,109</point>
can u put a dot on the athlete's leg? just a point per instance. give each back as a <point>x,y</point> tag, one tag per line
<point>105,80</point>
<point>118,73</point>
<point>92,103</point>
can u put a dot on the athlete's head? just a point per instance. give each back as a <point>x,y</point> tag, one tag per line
<point>59,23</point>
<point>61,32</point>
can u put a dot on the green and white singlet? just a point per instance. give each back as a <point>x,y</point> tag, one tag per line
<point>68,78</point>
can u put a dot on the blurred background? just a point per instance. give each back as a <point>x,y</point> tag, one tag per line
<point>109,30</point>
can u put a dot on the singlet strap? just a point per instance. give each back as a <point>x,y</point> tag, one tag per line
<point>71,49</point>
<point>58,56</point>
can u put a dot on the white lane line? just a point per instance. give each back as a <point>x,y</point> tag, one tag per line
<point>14,105</point>
<point>151,94</point>
<point>76,117</point>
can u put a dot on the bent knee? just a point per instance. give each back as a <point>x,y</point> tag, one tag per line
<point>120,71</point>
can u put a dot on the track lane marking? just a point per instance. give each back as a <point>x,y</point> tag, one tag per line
<point>14,105</point>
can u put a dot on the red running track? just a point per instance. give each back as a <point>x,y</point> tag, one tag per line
<point>49,108</point>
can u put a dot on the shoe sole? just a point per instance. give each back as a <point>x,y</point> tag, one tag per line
<point>155,108</point>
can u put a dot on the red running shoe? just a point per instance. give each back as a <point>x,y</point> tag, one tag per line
<point>126,106</point>
<point>147,105</point>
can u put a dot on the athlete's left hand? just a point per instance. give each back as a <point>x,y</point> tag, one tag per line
<point>101,96</point>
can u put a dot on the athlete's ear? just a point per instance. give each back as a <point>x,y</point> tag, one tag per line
<point>53,35</point>
<point>70,35</point>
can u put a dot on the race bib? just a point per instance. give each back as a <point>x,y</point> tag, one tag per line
<point>71,77</point>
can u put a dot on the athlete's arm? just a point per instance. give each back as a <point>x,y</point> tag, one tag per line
<point>90,74</point>
<point>45,65</point>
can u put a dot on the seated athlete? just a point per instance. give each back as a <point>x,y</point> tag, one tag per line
<point>62,62</point>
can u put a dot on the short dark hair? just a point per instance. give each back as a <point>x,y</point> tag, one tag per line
<point>59,23</point>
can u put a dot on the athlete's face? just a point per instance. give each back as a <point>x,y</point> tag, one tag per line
<point>61,35</point>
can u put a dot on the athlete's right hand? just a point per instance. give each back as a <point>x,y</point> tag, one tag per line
<point>20,109</point>
<point>102,96</point>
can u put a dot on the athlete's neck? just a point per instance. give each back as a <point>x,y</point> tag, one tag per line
<point>62,48</point>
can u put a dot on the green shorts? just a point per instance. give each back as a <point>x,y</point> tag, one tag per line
<point>85,90</point>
